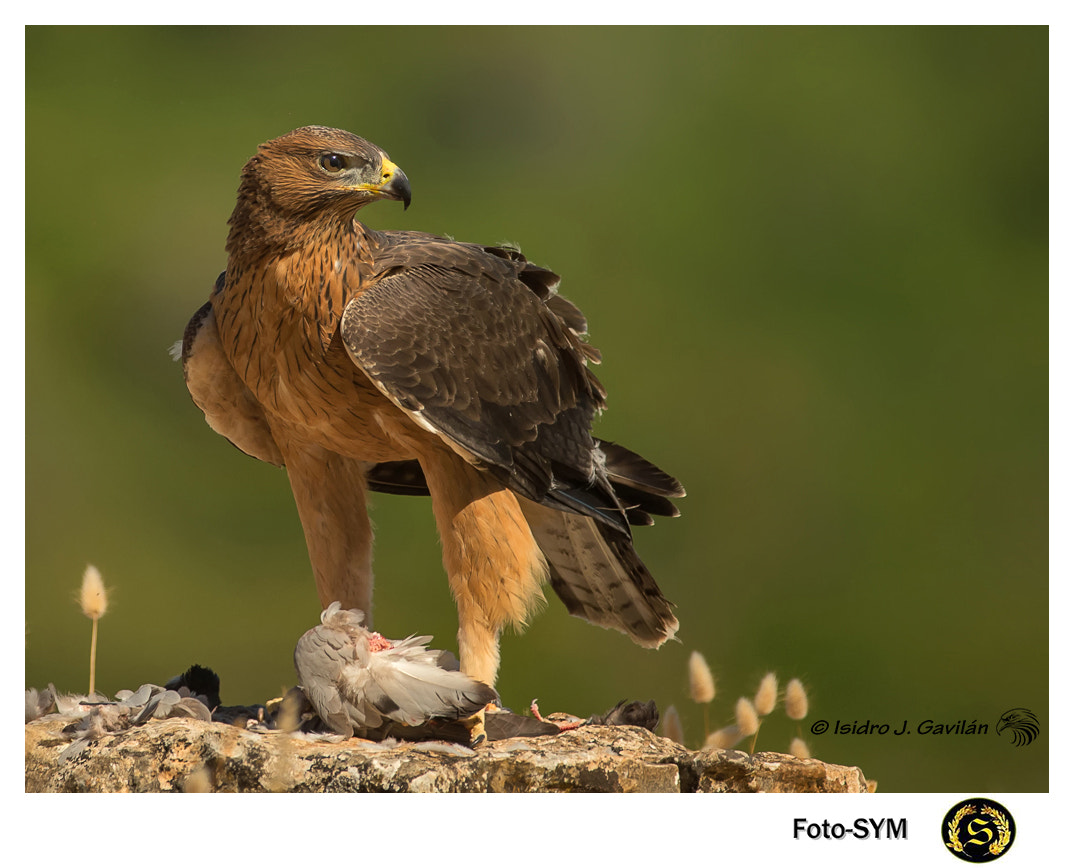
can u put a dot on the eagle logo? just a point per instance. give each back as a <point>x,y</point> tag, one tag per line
<point>1022,723</point>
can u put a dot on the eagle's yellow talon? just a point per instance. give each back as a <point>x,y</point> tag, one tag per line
<point>475,725</point>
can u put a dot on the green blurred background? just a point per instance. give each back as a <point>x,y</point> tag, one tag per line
<point>815,261</point>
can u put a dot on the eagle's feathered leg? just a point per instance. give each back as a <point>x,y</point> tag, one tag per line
<point>494,566</point>
<point>329,492</point>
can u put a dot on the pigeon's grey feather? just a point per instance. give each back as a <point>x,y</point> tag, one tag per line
<point>39,702</point>
<point>357,680</point>
<point>138,698</point>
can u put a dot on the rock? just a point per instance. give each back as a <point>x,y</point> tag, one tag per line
<point>193,755</point>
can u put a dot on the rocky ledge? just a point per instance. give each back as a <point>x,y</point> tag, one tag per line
<point>189,755</point>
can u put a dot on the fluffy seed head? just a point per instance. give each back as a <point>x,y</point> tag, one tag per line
<point>724,738</point>
<point>795,702</point>
<point>746,716</point>
<point>198,781</point>
<point>800,749</point>
<point>672,725</point>
<point>702,684</point>
<point>289,716</point>
<point>765,700</point>
<point>93,598</point>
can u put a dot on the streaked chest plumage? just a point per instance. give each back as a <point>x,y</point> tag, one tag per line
<point>278,325</point>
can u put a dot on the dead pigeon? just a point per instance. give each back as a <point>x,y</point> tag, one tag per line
<point>358,681</point>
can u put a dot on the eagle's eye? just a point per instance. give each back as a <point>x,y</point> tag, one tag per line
<point>333,163</point>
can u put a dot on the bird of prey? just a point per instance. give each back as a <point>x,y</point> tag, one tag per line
<point>357,680</point>
<point>1022,723</point>
<point>410,363</point>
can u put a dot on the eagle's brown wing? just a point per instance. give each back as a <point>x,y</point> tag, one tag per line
<point>229,407</point>
<point>474,344</point>
<point>461,339</point>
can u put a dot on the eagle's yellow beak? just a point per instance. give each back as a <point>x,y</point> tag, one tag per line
<point>393,184</point>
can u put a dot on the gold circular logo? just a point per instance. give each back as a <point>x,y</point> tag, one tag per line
<point>978,830</point>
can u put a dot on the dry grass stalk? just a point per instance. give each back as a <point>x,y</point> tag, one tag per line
<point>94,601</point>
<point>671,725</point>
<point>724,738</point>
<point>749,715</point>
<point>765,699</point>
<point>198,781</point>
<point>746,717</point>
<point>702,684</point>
<point>795,702</point>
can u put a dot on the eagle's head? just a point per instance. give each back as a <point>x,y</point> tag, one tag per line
<point>309,175</point>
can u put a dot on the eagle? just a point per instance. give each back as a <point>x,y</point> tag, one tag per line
<point>409,363</point>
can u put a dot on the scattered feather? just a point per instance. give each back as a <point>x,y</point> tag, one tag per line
<point>39,702</point>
